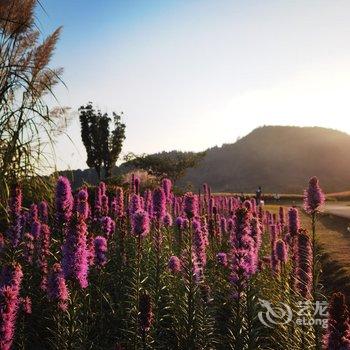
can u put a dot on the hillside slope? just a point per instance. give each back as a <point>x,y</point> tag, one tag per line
<point>280,159</point>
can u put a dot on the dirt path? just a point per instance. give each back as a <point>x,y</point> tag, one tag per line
<point>342,210</point>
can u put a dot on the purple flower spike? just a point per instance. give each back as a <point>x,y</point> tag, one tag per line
<point>135,204</point>
<point>75,253</point>
<point>338,332</point>
<point>281,251</point>
<point>43,212</point>
<point>168,220</point>
<point>107,226</point>
<point>140,223</point>
<point>222,259</point>
<point>159,204</point>
<point>83,207</point>
<point>190,205</point>
<point>64,200</point>
<point>10,282</point>
<point>15,201</point>
<point>117,204</point>
<point>56,287</point>
<point>166,184</point>
<point>303,278</point>
<point>33,213</point>
<point>313,196</point>
<point>35,229</point>
<point>174,264</point>
<point>293,222</point>
<point>100,244</point>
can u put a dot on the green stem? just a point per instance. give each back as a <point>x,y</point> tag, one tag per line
<point>314,276</point>
<point>138,281</point>
<point>190,290</point>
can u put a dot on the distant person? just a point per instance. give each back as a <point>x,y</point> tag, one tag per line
<point>258,195</point>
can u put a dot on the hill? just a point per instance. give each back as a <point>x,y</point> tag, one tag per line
<point>278,158</point>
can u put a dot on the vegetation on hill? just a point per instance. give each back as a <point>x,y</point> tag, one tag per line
<point>278,158</point>
<point>257,159</point>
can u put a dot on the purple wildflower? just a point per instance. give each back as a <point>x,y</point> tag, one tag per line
<point>273,234</point>
<point>148,202</point>
<point>293,221</point>
<point>15,201</point>
<point>64,200</point>
<point>255,232</point>
<point>15,229</point>
<point>222,259</point>
<point>159,204</point>
<point>28,250</point>
<point>281,251</point>
<point>43,212</point>
<point>120,201</point>
<point>107,226</point>
<point>281,216</point>
<point>33,213</point>
<point>338,332</point>
<point>134,204</point>
<point>91,250</point>
<point>248,205</point>
<point>100,245</point>
<point>168,220</point>
<point>166,184</point>
<point>230,224</point>
<point>313,196</point>
<point>140,223</point>
<point>174,264</point>
<point>137,185</point>
<point>26,305</point>
<point>43,253</point>
<point>223,225</point>
<point>179,222</point>
<point>243,250</point>
<point>35,229</point>
<point>75,254</point>
<point>190,205</point>
<point>56,287</point>
<point>83,207</point>
<point>10,282</point>
<point>303,278</point>
<point>274,262</point>
<point>199,247</point>
<point>104,205</point>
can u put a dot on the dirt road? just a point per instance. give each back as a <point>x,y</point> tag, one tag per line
<point>342,210</point>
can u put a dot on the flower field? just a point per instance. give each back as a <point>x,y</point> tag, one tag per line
<point>114,268</point>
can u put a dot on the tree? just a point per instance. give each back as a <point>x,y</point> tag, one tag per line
<point>171,164</point>
<point>102,146</point>
<point>27,125</point>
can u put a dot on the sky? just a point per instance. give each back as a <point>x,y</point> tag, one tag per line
<point>193,74</point>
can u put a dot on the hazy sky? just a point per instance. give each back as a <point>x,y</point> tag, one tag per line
<point>191,74</point>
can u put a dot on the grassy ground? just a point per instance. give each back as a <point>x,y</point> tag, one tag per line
<point>334,243</point>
